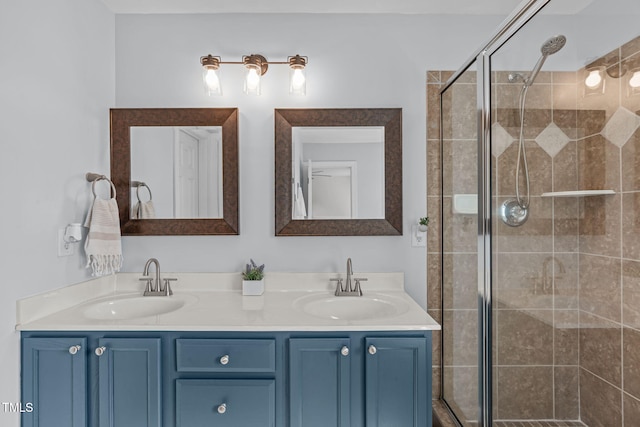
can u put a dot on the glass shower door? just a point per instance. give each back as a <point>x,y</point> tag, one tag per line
<point>460,321</point>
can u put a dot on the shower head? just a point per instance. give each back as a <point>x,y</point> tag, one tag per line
<point>553,44</point>
<point>549,47</point>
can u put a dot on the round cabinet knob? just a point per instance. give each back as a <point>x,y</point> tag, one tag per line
<point>74,349</point>
<point>344,351</point>
<point>224,359</point>
<point>222,408</point>
<point>100,350</point>
<point>373,349</point>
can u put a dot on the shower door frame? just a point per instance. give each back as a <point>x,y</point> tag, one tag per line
<point>509,27</point>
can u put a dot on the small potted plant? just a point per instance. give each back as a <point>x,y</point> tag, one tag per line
<point>423,223</point>
<point>253,279</point>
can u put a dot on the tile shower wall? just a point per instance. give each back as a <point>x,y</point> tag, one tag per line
<point>608,156</point>
<point>567,283</point>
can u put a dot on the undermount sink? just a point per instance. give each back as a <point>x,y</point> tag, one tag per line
<point>132,306</point>
<point>370,306</point>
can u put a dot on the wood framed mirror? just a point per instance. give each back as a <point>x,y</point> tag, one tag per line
<point>366,203</point>
<point>175,170</point>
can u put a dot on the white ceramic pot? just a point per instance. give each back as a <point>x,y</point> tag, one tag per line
<point>252,287</point>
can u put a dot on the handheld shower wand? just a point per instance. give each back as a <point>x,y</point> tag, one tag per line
<point>515,211</point>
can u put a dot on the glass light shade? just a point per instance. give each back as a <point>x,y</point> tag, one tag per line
<point>297,81</point>
<point>633,87</point>
<point>634,81</point>
<point>211,79</point>
<point>252,79</point>
<point>593,80</point>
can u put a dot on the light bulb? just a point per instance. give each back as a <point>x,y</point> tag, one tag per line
<point>252,82</point>
<point>594,79</point>
<point>634,81</point>
<point>210,77</point>
<point>298,82</point>
<point>211,81</point>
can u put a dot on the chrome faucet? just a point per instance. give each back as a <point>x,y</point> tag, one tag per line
<point>155,287</point>
<point>349,274</point>
<point>348,289</point>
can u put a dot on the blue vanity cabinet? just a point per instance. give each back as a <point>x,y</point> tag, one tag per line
<point>319,382</point>
<point>226,381</point>
<point>227,378</point>
<point>397,392</point>
<point>129,382</point>
<point>91,380</point>
<point>364,379</point>
<point>54,378</point>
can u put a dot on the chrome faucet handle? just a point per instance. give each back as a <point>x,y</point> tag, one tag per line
<point>167,285</point>
<point>148,280</point>
<point>358,289</point>
<point>339,287</point>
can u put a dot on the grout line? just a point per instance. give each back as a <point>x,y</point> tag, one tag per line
<point>621,278</point>
<point>602,379</point>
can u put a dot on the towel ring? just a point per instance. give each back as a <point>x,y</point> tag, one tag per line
<point>138,185</point>
<point>94,178</point>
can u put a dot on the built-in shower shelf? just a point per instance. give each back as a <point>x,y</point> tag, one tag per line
<point>579,193</point>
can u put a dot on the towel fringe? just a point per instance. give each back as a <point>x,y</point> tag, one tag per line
<point>104,264</point>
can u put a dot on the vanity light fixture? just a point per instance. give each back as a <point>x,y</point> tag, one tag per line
<point>255,67</point>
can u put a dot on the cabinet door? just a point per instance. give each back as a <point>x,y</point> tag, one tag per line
<point>225,403</point>
<point>319,376</point>
<point>396,388</point>
<point>54,382</point>
<point>129,382</point>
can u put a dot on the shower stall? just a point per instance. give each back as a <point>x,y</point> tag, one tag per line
<point>534,191</point>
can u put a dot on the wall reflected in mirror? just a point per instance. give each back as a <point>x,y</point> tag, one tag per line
<point>176,172</point>
<point>338,172</point>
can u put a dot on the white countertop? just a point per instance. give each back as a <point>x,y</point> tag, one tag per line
<point>214,302</point>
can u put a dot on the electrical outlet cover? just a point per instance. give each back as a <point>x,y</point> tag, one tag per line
<point>64,249</point>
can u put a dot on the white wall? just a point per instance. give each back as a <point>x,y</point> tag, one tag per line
<point>59,70</point>
<point>57,81</point>
<point>354,61</point>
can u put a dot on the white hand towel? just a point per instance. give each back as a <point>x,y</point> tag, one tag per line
<point>300,210</point>
<point>144,210</point>
<point>103,245</point>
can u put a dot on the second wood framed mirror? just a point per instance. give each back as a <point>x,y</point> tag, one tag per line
<point>338,172</point>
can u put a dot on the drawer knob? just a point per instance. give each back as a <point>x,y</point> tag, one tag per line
<point>344,351</point>
<point>74,349</point>
<point>373,349</point>
<point>100,350</point>
<point>222,408</point>
<point>224,359</point>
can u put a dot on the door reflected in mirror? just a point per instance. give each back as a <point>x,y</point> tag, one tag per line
<point>176,172</point>
<point>338,172</point>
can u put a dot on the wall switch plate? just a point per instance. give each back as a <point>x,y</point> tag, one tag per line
<point>64,249</point>
<point>418,238</point>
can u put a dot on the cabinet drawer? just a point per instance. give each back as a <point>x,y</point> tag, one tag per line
<point>225,403</point>
<point>220,355</point>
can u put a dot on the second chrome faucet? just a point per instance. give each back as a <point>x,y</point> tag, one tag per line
<point>348,289</point>
<point>155,287</point>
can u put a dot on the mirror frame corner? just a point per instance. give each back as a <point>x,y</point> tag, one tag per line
<point>390,119</point>
<point>121,121</point>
